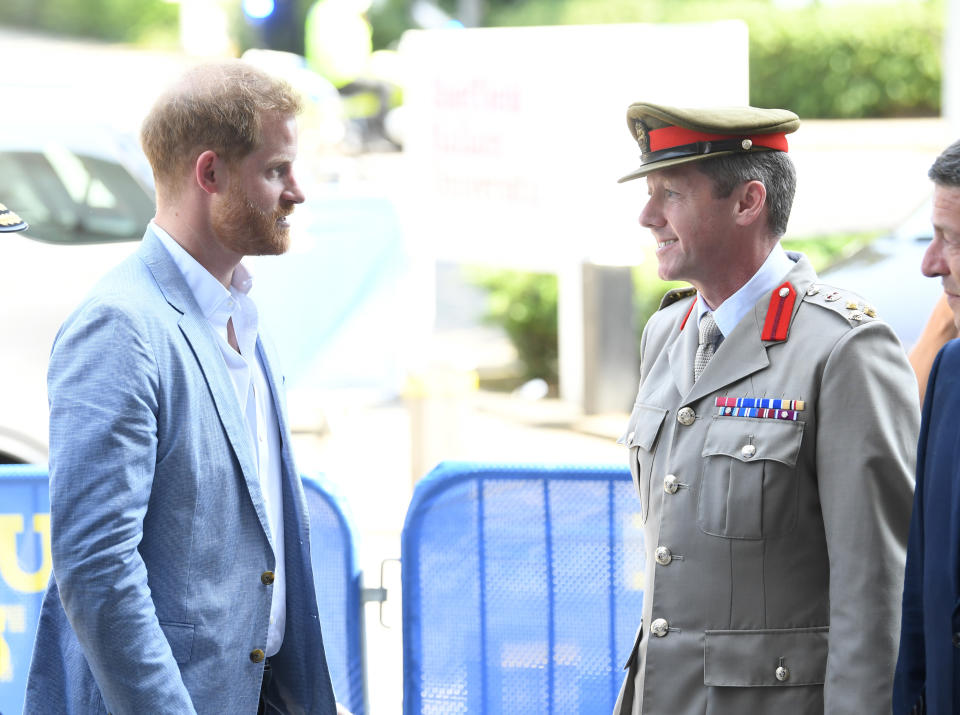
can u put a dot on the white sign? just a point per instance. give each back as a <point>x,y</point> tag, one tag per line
<point>515,137</point>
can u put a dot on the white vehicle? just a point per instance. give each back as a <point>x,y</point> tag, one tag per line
<point>87,194</point>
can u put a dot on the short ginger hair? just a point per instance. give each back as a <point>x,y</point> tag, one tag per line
<point>216,106</point>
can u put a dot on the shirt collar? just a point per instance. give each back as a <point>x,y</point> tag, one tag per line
<point>771,274</point>
<point>216,302</point>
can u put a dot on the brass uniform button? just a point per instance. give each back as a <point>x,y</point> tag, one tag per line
<point>257,655</point>
<point>659,627</point>
<point>266,578</point>
<point>671,484</point>
<point>783,674</point>
<point>747,451</point>
<point>686,416</point>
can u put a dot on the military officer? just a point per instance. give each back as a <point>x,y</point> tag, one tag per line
<point>771,443</point>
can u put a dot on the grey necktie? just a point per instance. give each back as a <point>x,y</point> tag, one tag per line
<point>710,337</point>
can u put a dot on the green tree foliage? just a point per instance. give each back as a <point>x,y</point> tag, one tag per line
<point>524,305</point>
<point>115,20</point>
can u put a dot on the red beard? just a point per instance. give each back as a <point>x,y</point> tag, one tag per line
<point>245,229</point>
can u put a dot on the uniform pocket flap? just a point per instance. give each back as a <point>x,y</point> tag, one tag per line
<point>749,439</point>
<point>792,656</point>
<point>180,638</point>
<point>644,425</point>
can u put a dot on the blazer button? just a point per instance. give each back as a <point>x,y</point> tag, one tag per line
<point>257,655</point>
<point>686,416</point>
<point>663,555</point>
<point>266,578</point>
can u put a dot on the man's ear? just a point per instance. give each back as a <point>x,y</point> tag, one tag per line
<point>752,199</point>
<point>210,172</point>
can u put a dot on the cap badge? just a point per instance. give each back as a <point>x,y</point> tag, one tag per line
<point>643,136</point>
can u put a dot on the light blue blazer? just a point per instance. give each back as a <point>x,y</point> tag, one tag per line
<point>159,533</point>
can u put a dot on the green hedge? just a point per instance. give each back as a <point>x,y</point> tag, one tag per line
<point>524,305</point>
<point>844,61</point>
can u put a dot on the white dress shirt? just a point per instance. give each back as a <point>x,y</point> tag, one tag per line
<point>771,274</point>
<point>250,384</point>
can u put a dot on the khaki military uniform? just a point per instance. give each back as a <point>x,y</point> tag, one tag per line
<point>774,544</point>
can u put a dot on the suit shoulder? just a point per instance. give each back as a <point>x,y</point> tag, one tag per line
<point>851,308</point>
<point>950,352</point>
<point>127,290</point>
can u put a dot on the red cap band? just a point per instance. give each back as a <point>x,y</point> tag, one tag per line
<point>670,137</point>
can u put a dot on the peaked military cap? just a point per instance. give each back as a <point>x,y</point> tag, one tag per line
<point>669,136</point>
<point>9,221</point>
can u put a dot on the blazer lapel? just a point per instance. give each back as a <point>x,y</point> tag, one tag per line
<point>268,358</point>
<point>202,340</point>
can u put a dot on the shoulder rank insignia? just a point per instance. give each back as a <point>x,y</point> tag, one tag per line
<point>847,305</point>
<point>779,313</point>
<point>672,296</point>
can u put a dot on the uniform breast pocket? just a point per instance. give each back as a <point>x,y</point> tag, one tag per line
<point>748,489</point>
<point>640,438</point>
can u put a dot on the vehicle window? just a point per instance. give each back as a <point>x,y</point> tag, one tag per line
<point>73,198</point>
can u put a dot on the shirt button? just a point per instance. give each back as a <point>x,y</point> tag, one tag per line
<point>257,655</point>
<point>266,578</point>
<point>686,416</point>
<point>663,555</point>
<point>659,627</point>
<point>748,450</point>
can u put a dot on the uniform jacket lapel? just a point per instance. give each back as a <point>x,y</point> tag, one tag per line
<point>198,333</point>
<point>742,353</point>
<point>682,352</point>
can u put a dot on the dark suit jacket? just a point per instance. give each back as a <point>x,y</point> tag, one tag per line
<point>929,663</point>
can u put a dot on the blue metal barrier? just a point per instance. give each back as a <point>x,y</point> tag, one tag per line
<point>24,570</point>
<point>522,589</point>
<point>337,580</point>
<point>25,567</point>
